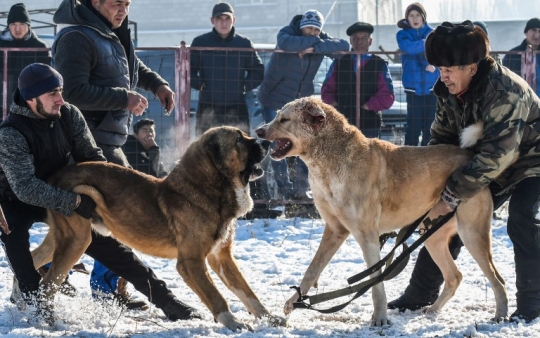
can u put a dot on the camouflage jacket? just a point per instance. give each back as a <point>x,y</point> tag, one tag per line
<point>510,112</point>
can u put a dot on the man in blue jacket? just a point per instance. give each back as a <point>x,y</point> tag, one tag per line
<point>290,76</point>
<point>223,77</point>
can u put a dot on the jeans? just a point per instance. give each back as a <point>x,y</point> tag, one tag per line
<point>420,116</point>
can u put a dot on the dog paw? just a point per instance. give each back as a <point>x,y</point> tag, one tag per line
<point>277,321</point>
<point>233,324</point>
<point>384,321</point>
<point>288,308</point>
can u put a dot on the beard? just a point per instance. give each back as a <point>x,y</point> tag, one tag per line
<point>50,116</point>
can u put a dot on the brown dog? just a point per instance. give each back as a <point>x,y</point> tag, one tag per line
<point>189,215</point>
<point>367,187</point>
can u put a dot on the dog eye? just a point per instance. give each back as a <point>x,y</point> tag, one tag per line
<point>283,120</point>
<point>239,139</point>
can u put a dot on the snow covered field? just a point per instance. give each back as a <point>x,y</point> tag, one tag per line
<point>273,254</point>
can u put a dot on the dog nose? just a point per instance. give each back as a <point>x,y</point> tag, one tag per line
<point>260,132</point>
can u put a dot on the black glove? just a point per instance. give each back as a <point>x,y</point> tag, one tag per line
<point>86,207</point>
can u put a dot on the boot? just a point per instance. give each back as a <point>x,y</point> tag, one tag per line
<point>425,282</point>
<point>124,298</point>
<point>175,310</point>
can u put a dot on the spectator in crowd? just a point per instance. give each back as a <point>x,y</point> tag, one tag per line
<point>418,75</point>
<point>95,55</point>
<point>19,34</point>
<point>223,77</point>
<point>36,140</point>
<point>290,76</point>
<point>142,151</point>
<point>532,38</point>
<point>475,90</point>
<point>376,89</point>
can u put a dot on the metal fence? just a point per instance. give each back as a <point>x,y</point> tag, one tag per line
<point>174,133</point>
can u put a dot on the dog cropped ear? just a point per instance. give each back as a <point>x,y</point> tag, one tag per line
<point>313,116</point>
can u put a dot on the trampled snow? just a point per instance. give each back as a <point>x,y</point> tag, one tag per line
<point>273,255</point>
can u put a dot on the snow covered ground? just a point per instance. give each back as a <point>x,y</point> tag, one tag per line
<point>273,254</point>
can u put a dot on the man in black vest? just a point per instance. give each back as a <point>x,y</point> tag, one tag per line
<point>38,138</point>
<point>376,92</point>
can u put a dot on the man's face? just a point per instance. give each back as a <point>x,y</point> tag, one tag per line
<point>115,11</point>
<point>311,31</point>
<point>145,133</point>
<point>223,24</point>
<point>18,30</point>
<point>360,41</point>
<point>533,37</point>
<point>415,19</point>
<point>47,106</point>
<point>458,78</point>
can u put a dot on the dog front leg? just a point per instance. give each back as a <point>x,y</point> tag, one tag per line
<point>369,243</point>
<point>195,274</point>
<point>224,265</point>
<point>332,239</point>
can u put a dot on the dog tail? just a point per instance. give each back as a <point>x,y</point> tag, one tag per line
<point>92,192</point>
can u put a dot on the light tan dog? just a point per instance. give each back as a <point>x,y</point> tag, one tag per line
<point>190,215</point>
<point>367,187</point>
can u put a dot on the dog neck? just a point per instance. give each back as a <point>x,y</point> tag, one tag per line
<point>243,198</point>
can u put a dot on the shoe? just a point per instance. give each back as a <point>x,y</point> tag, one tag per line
<point>527,317</point>
<point>301,210</point>
<point>407,302</point>
<point>123,298</point>
<point>175,309</point>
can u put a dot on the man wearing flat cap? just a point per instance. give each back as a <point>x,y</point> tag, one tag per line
<point>375,90</point>
<point>19,34</point>
<point>473,89</point>
<point>532,38</point>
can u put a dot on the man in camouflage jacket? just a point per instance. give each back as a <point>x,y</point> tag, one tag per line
<point>475,90</point>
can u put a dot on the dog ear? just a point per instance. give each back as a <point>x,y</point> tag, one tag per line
<point>313,116</point>
<point>213,149</point>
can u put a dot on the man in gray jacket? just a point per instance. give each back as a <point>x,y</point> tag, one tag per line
<point>94,53</point>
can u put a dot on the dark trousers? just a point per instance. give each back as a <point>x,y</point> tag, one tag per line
<point>524,232</point>
<point>120,259</point>
<point>213,115</point>
<point>420,116</point>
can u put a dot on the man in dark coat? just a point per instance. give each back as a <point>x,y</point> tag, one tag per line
<point>94,53</point>
<point>376,90</point>
<point>532,38</point>
<point>142,151</point>
<point>18,34</point>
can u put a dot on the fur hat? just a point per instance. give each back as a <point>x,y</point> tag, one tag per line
<point>360,27</point>
<point>18,13</point>
<point>532,23</point>
<point>456,45</point>
<point>312,18</point>
<point>37,79</point>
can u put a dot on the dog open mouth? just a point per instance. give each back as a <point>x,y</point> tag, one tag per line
<point>280,148</point>
<point>256,172</point>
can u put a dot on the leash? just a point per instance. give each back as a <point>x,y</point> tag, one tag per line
<point>392,269</point>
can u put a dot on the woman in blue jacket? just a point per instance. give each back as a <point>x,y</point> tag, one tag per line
<point>418,75</point>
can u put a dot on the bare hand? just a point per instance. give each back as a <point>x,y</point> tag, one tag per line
<point>438,210</point>
<point>306,51</point>
<point>430,68</point>
<point>136,103</point>
<point>166,97</point>
<point>148,142</point>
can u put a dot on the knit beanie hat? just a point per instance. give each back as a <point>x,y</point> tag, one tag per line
<point>533,23</point>
<point>37,79</point>
<point>482,25</point>
<point>456,45</point>
<point>312,18</point>
<point>404,23</point>
<point>18,13</point>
